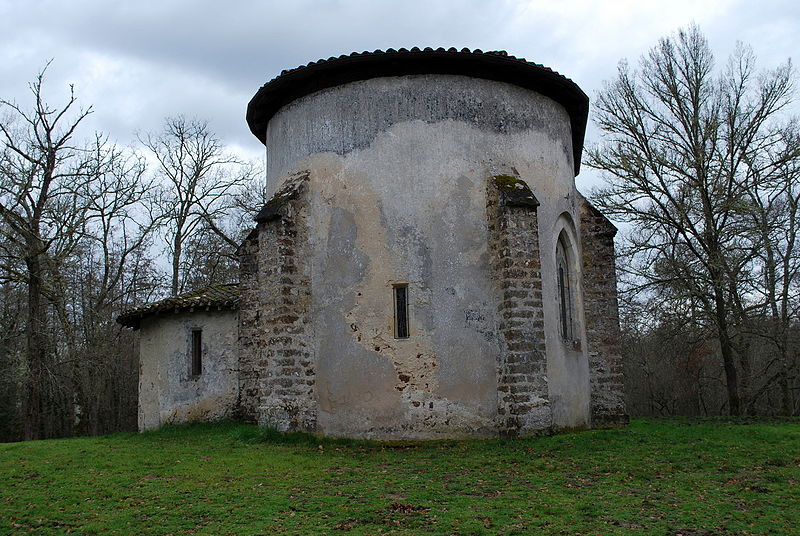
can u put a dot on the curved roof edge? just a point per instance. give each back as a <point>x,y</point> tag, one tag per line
<point>496,65</point>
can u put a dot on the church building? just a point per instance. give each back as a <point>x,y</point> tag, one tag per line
<point>425,267</point>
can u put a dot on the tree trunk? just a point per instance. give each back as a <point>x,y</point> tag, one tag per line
<point>176,261</point>
<point>726,348</point>
<point>34,331</point>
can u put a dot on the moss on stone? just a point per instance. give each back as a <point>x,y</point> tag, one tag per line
<point>515,191</point>
<point>508,182</point>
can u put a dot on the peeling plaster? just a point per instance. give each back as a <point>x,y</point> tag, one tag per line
<point>397,194</point>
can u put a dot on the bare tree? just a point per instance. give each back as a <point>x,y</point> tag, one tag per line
<point>43,174</point>
<point>684,152</point>
<point>70,213</point>
<point>109,272</point>
<point>775,216</point>
<point>199,182</point>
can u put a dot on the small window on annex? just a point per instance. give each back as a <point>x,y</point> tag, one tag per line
<point>400,292</point>
<point>196,355</point>
<point>566,301</point>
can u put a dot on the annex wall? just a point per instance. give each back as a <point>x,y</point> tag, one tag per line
<point>168,392</point>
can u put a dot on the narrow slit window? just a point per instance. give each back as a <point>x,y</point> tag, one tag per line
<point>197,352</point>
<point>401,311</point>
<point>563,290</point>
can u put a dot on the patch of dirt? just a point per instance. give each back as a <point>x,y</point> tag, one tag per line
<point>407,508</point>
<point>345,525</point>
<point>697,532</point>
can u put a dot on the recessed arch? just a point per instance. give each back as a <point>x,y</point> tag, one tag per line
<point>566,272</point>
<point>566,299</point>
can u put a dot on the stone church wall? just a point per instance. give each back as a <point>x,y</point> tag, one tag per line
<point>277,378</point>
<point>602,317</point>
<point>251,345</point>
<point>381,184</point>
<point>397,196</point>
<point>523,398</point>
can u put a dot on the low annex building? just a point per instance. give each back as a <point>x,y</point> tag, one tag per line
<point>425,267</point>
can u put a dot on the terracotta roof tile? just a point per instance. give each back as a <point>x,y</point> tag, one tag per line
<point>214,297</point>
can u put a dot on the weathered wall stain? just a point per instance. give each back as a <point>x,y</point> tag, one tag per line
<point>406,202</point>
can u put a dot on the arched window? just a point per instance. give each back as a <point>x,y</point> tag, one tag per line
<point>566,301</point>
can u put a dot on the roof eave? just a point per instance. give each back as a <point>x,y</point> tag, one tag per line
<point>302,81</point>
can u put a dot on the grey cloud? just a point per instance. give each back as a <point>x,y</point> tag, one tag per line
<point>207,59</point>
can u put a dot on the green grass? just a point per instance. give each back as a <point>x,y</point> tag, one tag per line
<point>655,477</point>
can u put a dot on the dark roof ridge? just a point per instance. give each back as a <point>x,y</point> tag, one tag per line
<point>497,65</point>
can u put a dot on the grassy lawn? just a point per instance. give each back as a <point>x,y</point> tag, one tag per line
<point>655,477</point>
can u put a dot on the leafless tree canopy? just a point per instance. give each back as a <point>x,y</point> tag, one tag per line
<point>702,164</point>
<point>81,222</point>
<point>200,184</point>
<point>69,242</point>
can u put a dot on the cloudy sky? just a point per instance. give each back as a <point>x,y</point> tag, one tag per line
<point>137,62</point>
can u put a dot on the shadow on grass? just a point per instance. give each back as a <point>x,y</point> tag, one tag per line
<point>641,431</point>
<point>252,434</point>
<point>265,434</point>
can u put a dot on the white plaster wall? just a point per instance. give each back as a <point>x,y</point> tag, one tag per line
<point>167,393</point>
<point>398,194</point>
<point>567,361</point>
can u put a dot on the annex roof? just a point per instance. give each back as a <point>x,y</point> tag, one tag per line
<point>215,297</point>
<point>495,65</point>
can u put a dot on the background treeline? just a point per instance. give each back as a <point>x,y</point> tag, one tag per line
<point>89,229</point>
<point>702,169</point>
